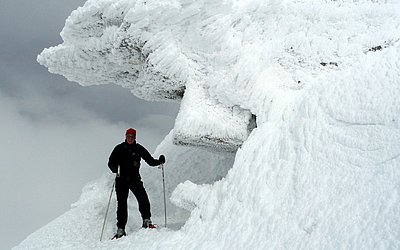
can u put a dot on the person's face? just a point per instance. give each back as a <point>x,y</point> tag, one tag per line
<point>130,139</point>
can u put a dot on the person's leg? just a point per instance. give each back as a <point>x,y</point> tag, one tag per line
<point>142,199</point>
<point>122,190</point>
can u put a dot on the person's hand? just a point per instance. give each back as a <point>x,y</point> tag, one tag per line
<point>162,159</point>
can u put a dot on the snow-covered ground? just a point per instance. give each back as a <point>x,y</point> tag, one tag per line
<point>320,79</point>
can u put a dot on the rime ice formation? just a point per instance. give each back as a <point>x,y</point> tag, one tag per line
<point>321,169</point>
<point>127,43</point>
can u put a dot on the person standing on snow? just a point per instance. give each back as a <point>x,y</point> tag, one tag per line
<point>125,162</point>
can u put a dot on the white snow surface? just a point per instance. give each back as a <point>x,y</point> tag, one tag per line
<point>320,171</point>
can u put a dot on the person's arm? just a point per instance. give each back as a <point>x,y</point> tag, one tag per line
<point>146,156</point>
<point>113,160</point>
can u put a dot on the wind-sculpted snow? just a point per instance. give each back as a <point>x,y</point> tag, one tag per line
<point>321,78</point>
<point>159,50</point>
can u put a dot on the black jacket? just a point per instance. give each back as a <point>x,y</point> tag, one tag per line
<point>128,157</point>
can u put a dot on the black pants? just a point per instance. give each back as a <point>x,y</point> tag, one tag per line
<point>122,188</point>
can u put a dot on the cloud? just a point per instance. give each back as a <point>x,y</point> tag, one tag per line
<point>45,164</point>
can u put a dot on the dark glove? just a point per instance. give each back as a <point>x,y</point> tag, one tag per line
<point>161,159</point>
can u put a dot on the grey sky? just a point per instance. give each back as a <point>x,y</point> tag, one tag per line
<point>55,136</point>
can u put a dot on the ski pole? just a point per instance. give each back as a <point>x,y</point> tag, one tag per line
<point>105,217</point>
<point>108,206</point>
<point>165,203</point>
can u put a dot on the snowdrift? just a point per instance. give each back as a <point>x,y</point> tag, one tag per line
<point>320,79</point>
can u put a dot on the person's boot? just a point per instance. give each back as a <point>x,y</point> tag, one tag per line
<point>148,224</point>
<point>120,233</point>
